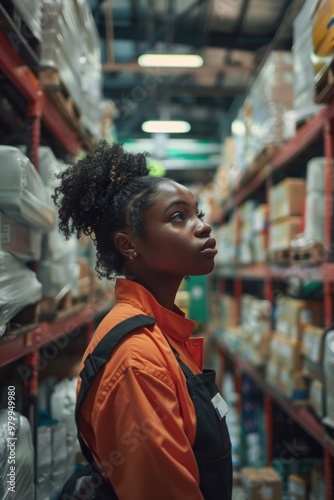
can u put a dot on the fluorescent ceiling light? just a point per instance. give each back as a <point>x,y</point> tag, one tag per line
<point>170,60</point>
<point>166,127</point>
<point>238,127</point>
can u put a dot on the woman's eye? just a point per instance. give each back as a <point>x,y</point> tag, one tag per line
<point>200,215</point>
<point>178,216</point>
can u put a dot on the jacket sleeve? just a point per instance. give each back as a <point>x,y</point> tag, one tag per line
<point>140,438</point>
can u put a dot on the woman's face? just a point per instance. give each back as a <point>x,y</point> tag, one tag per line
<point>176,239</point>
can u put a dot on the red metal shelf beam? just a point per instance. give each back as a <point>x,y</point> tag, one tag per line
<point>45,333</point>
<point>29,86</point>
<point>323,272</point>
<point>299,415</point>
<point>305,135</point>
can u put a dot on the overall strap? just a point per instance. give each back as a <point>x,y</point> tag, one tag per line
<point>98,358</point>
<point>186,370</point>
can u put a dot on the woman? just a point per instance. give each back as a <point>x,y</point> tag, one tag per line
<point>153,423</point>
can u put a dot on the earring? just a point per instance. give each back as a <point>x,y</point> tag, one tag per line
<point>135,254</point>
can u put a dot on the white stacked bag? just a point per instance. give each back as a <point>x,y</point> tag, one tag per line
<point>26,212</point>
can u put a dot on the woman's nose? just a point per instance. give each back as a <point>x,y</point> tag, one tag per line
<point>203,229</point>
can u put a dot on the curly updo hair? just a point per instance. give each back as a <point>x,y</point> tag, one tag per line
<point>108,191</point>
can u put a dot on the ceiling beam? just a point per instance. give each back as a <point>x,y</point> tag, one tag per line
<point>189,36</point>
<point>242,15</point>
<point>134,67</point>
<point>181,91</point>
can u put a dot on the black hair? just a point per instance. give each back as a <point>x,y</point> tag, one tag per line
<point>107,191</point>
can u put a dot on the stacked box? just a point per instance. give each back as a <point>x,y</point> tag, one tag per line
<point>315,199</point>
<point>312,349</point>
<point>227,240</point>
<point>261,483</point>
<point>297,487</point>
<point>318,484</point>
<point>70,45</point>
<point>285,368</point>
<point>256,328</point>
<point>286,206</point>
<point>260,241</point>
<point>247,232</point>
<point>287,199</point>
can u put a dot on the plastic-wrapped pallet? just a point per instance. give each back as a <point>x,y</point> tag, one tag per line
<point>271,95</point>
<point>62,408</point>
<point>315,200</point>
<point>62,42</point>
<point>23,196</point>
<point>71,47</point>
<point>31,12</point>
<point>49,166</point>
<point>16,451</point>
<point>18,288</point>
<point>91,71</point>
<point>20,240</point>
<point>328,370</point>
<point>304,86</point>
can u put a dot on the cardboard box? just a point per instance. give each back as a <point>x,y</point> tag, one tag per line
<point>292,315</point>
<point>272,369</point>
<point>318,484</point>
<point>260,247</point>
<point>312,343</point>
<point>287,199</point>
<point>311,370</point>
<point>293,384</point>
<point>282,232</point>
<point>286,351</point>
<point>261,483</point>
<point>316,397</point>
<point>261,217</point>
<point>229,311</point>
<point>297,488</point>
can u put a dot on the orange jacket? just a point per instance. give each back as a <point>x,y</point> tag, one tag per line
<point>138,419</point>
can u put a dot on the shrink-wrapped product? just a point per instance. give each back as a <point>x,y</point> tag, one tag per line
<point>31,12</point>
<point>328,369</point>
<point>16,450</point>
<point>21,240</point>
<point>18,288</point>
<point>23,196</point>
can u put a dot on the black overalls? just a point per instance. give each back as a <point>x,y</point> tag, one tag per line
<point>212,447</point>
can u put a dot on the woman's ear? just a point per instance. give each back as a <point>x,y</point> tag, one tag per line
<point>124,244</point>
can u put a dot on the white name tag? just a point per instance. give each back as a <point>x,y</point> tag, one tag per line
<point>220,406</point>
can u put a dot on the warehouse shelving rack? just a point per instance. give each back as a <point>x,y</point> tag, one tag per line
<point>40,109</point>
<point>319,129</point>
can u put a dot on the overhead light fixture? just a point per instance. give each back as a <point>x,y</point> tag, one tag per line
<point>166,127</point>
<point>170,60</point>
<point>238,127</point>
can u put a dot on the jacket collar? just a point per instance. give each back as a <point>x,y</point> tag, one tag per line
<point>172,323</point>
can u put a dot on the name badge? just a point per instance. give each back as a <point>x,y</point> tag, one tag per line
<point>220,406</point>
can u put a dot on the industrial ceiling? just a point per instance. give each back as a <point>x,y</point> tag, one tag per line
<point>233,36</point>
